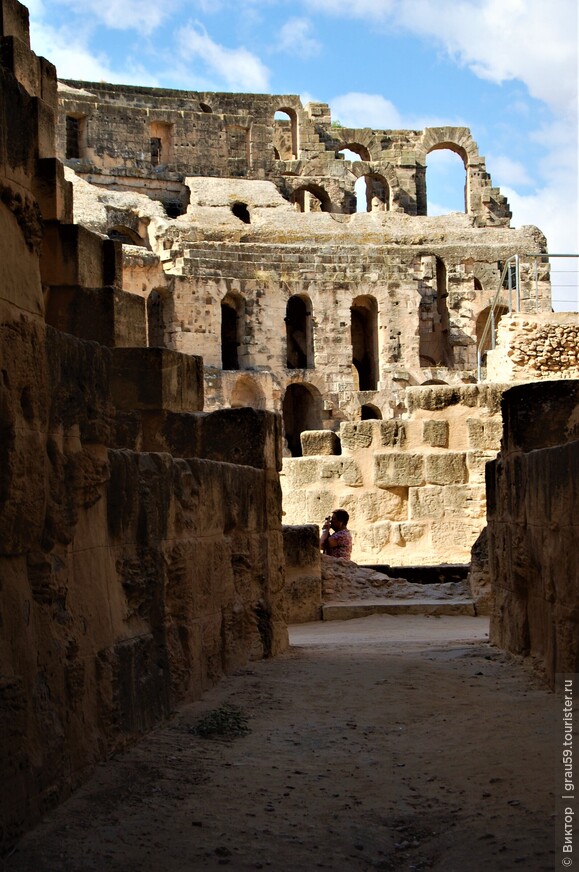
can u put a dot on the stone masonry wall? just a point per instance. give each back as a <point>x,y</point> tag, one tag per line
<point>388,263</point>
<point>238,136</point>
<point>532,347</point>
<point>141,552</point>
<point>414,487</point>
<point>533,506</point>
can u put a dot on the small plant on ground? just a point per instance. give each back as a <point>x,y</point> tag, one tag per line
<point>225,722</point>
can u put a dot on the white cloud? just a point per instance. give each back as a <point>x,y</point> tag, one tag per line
<point>67,50</point>
<point>142,15</point>
<point>506,171</point>
<point>295,39</point>
<point>498,40</point>
<point>365,110</point>
<point>237,67</point>
<point>357,109</point>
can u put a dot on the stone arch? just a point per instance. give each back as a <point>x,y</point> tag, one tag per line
<point>456,139</point>
<point>285,133</point>
<point>433,321</point>
<point>302,410</point>
<point>299,337</point>
<point>433,381</point>
<point>126,235</point>
<point>232,311</point>
<point>311,198</point>
<point>370,412</point>
<point>375,193</point>
<point>361,150</point>
<point>481,323</point>
<point>362,141</point>
<point>246,392</point>
<point>364,334</point>
<point>157,318</point>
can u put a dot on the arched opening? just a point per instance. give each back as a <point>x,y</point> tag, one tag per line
<point>126,235</point>
<point>285,134</point>
<point>75,147</point>
<point>205,108</point>
<point>481,323</point>
<point>302,410</point>
<point>368,412</point>
<point>376,193</point>
<point>353,151</point>
<point>230,331</point>
<point>433,325</point>
<point>241,211</point>
<point>433,381</point>
<point>298,325</point>
<point>156,325</point>
<point>247,393</point>
<point>364,333</point>
<point>161,142</point>
<point>446,181</point>
<point>311,198</point>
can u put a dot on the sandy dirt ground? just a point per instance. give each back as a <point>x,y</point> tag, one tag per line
<point>383,743</point>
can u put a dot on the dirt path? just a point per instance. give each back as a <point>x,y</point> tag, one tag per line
<point>384,743</point>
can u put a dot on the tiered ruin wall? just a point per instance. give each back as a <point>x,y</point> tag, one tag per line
<point>148,140</point>
<point>141,551</point>
<point>533,506</point>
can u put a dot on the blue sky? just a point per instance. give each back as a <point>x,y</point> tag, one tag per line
<point>507,69</point>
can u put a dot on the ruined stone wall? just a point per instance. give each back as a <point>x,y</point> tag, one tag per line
<point>421,284</point>
<point>149,140</point>
<point>303,573</point>
<point>531,347</point>
<point>533,506</point>
<point>141,551</point>
<point>414,487</point>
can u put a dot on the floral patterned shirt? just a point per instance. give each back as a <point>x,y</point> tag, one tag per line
<point>343,544</point>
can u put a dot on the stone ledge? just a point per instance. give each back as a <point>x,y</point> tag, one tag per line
<point>338,611</point>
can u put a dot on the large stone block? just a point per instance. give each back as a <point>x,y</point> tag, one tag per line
<point>540,415</point>
<point>435,433</point>
<point>319,442</point>
<point>152,379</point>
<point>53,192</point>
<point>105,315</point>
<point>485,435</point>
<point>319,504</point>
<point>426,502</point>
<point>389,503</point>
<point>73,255</point>
<point>464,501</point>
<point>346,470</point>
<point>399,470</point>
<point>303,581</point>
<point>356,436</point>
<point>447,468</point>
<point>392,434</point>
<point>476,462</point>
<point>299,471</point>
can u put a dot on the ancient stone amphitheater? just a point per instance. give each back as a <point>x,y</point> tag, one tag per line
<point>221,311</point>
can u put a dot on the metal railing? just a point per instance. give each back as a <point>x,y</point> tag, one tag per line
<point>510,285</point>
